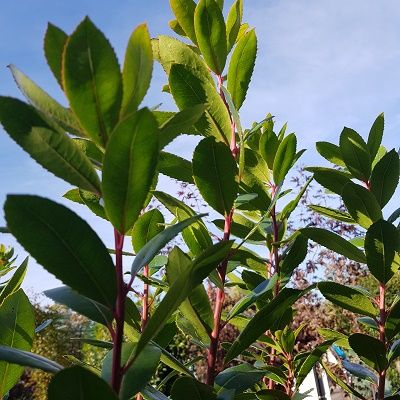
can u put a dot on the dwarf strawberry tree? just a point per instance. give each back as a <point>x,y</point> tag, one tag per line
<point>111,149</point>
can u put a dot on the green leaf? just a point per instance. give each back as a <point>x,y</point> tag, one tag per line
<point>340,338</point>
<point>382,240</point>
<point>241,67</point>
<point>242,227</point>
<point>272,394</point>
<point>49,107</point>
<point>27,359</point>
<point>330,179</point>
<point>182,287</point>
<point>348,298</point>
<point>73,252</point>
<point>91,150</point>
<point>209,26</point>
<point>188,91</point>
<point>149,393</point>
<point>360,371</point>
<point>93,85</point>
<point>330,152</point>
<point>184,13</point>
<point>385,177</point>
<point>129,167</point>
<point>233,22</point>
<point>79,383</point>
<point>52,149</point>
<point>196,308</point>
<point>371,350</point>
<point>268,146</point>
<point>198,391</point>
<point>175,167</point>
<point>180,123</point>
<point>15,281</point>
<point>394,351</point>
<point>284,158</point>
<point>215,174</point>
<point>336,214</point>
<point>146,228</point>
<point>263,320</point>
<point>17,327</point>
<point>392,324</point>
<point>334,242</point>
<point>93,203</point>
<point>355,154</point>
<point>239,378</point>
<point>174,25</point>
<point>361,204</point>
<point>375,135</point>
<point>81,304</point>
<point>54,43</point>
<point>137,71</point>
<point>295,256</point>
<point>152,247</point>
<point>196,235</point>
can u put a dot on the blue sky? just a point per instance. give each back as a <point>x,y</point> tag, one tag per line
<point>321,65</point>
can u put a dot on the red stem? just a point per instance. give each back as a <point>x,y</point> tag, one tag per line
<point>382,337</point>
<point>119,313</point>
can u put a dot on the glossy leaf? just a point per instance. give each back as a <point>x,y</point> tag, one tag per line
<point>184,13</point>
<point>284,158</point>
<point>188,91</point>
<point>361,204</point>
<point>330,179</point>
<point>268,146</point>
<point>241,67</point>
<point>17,327</point>
<point>238,378</point>
<point>215,174</point>
<point>152,247</point>
<point>175,167</point>
<point>129,167</point>
<point>385,177</point>
<point>62,157</point>
<point>392,324</point>
<point>355,154</point>
<point>198,391</point>
<point>360,371</point>
<point>15,281</point>
<point>233,22</point>
<point>371,350</point>
<point>54,43</point>
<point>394,351</point>
<point>330,152</point>
<point>209,26</point>
<point>83,305</point>
<point>79,383</point>
<point>73,251</point>
<point>93,85</point>
<point>146,228</point>
<point>334,242</point>
<point>375,135</point>
<point>348,298</point>
<point>49,107</point>
<point>295,256</point>
<point>137,71</point>
<point>336,214</point>
<point>382,240</point>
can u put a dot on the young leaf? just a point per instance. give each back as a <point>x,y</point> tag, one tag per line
<point>54,43</point>
<point>79,383</point>
<point>198,391</point>
<point>129,167</point>
<point>233,22</point>
<point>331,152</point>
<point>184,13</point>
<point>385,177</point>
<point>175,167</point>
<point>146,228</point>
<point>334,242</point>
<point>330,179</point>
<point>73,251</point>
<point>51,109</point>
<point>215,174</point>
<point>62,157</point>
<point>15,281</point>
<point>284,158</point>
<point>371,350</point>
<point>355,154</point>
<point>382,240</point>
<point>268,146</point>
<point>93,85</point>
<point>241,67</point>
<point>348,298</point>
<point>174,25</point>
<point>151,248</point>
<point>375,135</point>
<point>209,26</point>
<point>137,71</point>
<point>361,204</point>
<point>17,327</point>
<point>188,91</point>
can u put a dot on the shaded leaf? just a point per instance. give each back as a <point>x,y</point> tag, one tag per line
<point>284,158</point>
<point>330,179</point>
<point>375,135</point>
<point>198,391</point>
<point>331,152</point>
<point>175,167</point>
<point>146,228</point>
